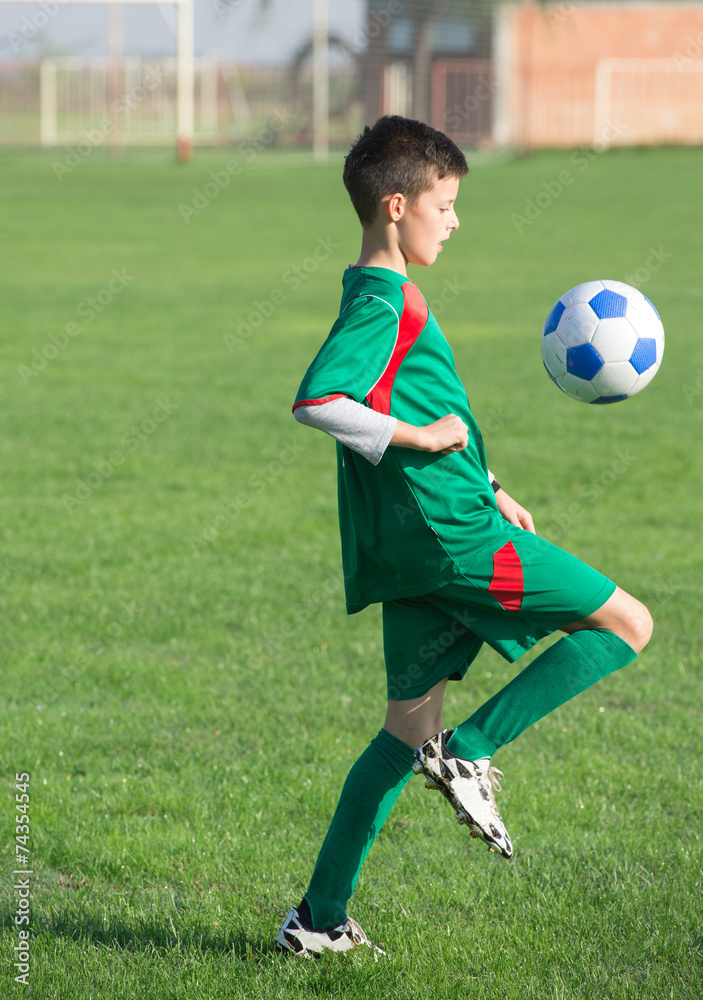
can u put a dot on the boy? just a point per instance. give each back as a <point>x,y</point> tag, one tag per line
<point>427,531</point>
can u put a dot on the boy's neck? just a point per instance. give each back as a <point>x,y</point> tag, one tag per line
<point>377,252</point>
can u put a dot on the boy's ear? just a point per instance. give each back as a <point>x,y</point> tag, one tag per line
<point>394,205</point>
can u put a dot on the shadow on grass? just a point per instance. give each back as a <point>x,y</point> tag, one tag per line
<point>146,934</point>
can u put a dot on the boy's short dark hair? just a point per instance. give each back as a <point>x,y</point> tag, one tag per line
<point>398,155</point>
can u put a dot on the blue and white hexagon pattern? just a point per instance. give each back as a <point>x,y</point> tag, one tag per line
<point>602,342</point>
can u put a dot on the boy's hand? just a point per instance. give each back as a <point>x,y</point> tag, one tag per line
<point>447,434</point>
<point>513,512</point>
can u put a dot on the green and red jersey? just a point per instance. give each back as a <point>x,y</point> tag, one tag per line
<point>416,521</point>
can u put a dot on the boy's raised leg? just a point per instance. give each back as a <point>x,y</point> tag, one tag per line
<point>457,762</point>
<point>597,646</point>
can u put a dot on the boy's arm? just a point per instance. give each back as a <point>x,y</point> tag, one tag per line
<point>513,512</point>
<point>369,433</point>
<point>447,434</point>
<point>352,424</point>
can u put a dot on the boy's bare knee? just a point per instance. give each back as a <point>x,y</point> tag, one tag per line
<point>640,626</point>
<point>624,615</point>
<point>633,622</point>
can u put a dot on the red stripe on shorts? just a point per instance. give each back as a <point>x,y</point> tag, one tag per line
<point>507,585</point>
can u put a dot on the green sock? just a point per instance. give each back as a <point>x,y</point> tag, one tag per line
<point>370,792</point>
<point>564,670</point>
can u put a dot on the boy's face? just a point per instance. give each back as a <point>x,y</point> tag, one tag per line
<point>425,224</point>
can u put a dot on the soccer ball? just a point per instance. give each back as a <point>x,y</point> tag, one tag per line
<point>602,342</point>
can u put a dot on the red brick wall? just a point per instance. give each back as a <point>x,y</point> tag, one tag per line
<point>554,51</point>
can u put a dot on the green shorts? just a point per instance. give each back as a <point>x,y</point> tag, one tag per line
<point>511,600</point>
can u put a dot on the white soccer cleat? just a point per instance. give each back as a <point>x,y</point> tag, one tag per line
<point>468,785</point>
<point>297,939</point>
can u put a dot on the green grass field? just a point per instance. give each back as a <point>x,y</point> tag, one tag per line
<point>179,677</point>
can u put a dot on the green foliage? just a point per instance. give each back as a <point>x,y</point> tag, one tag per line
<point>180,679</point>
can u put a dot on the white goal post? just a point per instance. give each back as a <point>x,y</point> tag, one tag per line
<point>185,65</point>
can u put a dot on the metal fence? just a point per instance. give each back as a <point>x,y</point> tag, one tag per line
<point>65,101</point>
<point>487,74</point>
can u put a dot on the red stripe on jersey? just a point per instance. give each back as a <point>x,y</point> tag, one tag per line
<point>412,323</point>
<point>317,402</point>
<point>507,585</point>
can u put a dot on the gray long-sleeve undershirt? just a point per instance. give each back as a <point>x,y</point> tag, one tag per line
<point>353,424</point>
<point>360,428</point>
